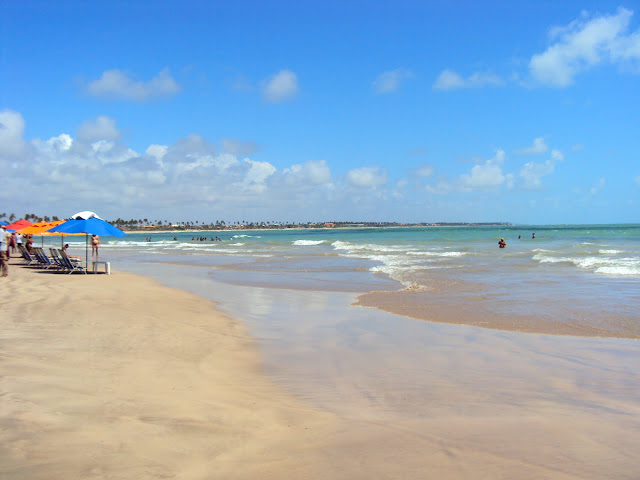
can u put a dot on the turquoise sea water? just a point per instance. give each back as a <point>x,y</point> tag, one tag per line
<point>579,275</point>
<point>612,250</point>
<point>601,249</point>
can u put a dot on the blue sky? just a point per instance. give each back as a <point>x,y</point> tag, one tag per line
<point>306,111</point>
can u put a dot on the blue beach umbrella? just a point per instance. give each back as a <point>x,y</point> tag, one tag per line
<point>90,226</point>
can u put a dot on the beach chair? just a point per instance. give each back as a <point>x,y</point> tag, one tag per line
<point>28,259</point>
<point>42,258</point>
<point>57,259</point>
<point>69,264</point>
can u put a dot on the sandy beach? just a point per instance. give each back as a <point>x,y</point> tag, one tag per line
<point>120,377</point>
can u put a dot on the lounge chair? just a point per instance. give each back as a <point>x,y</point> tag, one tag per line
<point>42,258</point>
<point>28,259</point>
<point>57,259</point>
<point>69,265</point>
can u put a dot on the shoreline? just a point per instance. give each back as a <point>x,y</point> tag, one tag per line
<point>121,377</point>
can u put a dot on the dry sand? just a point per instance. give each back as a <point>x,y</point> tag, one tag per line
<point>118,377</point>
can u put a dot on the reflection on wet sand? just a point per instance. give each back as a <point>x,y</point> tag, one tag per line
<point>562,404</point>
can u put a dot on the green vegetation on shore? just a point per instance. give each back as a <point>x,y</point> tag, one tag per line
<point>151,225</point>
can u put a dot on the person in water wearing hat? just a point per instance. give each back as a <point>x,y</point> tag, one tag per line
<point>502,243</point>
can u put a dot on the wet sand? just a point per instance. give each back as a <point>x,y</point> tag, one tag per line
<point>121,377</point>
<point>448,308</point>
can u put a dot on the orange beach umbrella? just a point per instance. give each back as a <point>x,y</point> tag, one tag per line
<point>37,228</point>
<point>42,228</point>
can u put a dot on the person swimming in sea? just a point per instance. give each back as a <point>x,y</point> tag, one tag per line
<point>502,243</point>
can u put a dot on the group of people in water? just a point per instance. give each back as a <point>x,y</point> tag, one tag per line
<point>194,239</point>
<point>502,243</point>
<point>203,239</point>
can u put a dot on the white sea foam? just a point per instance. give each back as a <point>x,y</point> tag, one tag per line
<point>308,242</point>
<point>436,254</point>
<point>596,263</point>
<point>340,245</point>
<point>619,270</point>
<point>242,235</point>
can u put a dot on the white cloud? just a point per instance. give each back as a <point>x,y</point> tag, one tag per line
<point>367,177</point>
<point>390,81</point>
<point>11,131</point>
<point>194,177</point>
<point>115,84</point>
<point>61,143</point>
<point>487,175</point>
<point>425,171</point>
<point>108,151</point>
<point>440,188</point>
<point>185,178</point>
<point>598,186</point>
<point>157,151</point>
<point>583,44</point>
<point>539,146</point>
<point>509,180</point>
<point>281,87</point>
<point>532,173</point>
<point>450,80</point>
<point>239,147</point>
<point>224,161</point>
<point>557,155</point>
<point>257,175</point>
<point>100,129</point>
<point>311,172</point>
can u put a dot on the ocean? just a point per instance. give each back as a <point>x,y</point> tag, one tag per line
<point>569,279</point>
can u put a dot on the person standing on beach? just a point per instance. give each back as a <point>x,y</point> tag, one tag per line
<point>4,245</point>
<point>95,243</point>
<point>13,243</point>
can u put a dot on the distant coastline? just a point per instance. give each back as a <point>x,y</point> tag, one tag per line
<point>188,227</point>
